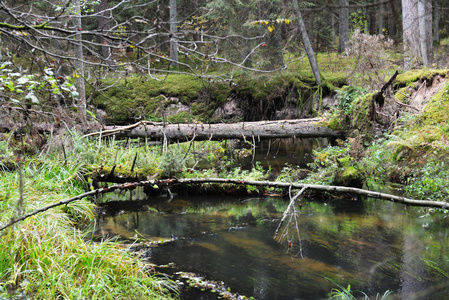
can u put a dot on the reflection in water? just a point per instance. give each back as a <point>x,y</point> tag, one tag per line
<point>277,153</point>
<point>374,246</point>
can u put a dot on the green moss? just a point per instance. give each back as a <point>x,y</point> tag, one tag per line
<point>137,96</point>
<point>182,117</point>
<point>334,121</point>
<point>349,175</point>
<point>426,135</point>
<point>403,94</point>
<point>408,77</point>
<point>437,110</point>
<point>360,123</point>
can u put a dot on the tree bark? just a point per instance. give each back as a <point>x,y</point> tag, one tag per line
<point>410,33</point>
<point>343,25</point>
<point>392,18</point>
<point>306,42</point>
<point>327,188</point>
<point>380,19</point>
<point>422,31</point>
<point>417,32</point>
<point>436,23</point>
<point>429,34</point>
<point>302,128</point>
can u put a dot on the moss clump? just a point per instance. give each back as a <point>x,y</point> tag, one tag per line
<point>182,117</point>
<point>361,112</point>
<point>426,134</point>
<point>403,94</point>
<point>437,110</point>
<point>135,96</point>
<point>335,166</point>
<point>354,113</point>
<point>411,76</point>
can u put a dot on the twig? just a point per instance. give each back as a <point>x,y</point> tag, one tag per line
<point>107,132</point>
<point>406,105</point>
<point>289,207</point>
<point>134,162</point>
<point>20,200</point>
<point>79,197</point>
<point>417,91</point>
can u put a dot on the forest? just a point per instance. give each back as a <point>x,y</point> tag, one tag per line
<point>129,129</point>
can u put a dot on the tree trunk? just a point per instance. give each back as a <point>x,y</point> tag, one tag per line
<point>306,42</point>
<point>429,35</point>
<point>380,19</point>
<point>343,25</point>
<point>173,34</point>
<point>301,128</point>
<point>436,23</point>
<point>159,184</point>
<point>410,33</point>
<point>79,60</point>
<point>392,18</point>
<point>422,32</point>
<point>372,25</point>
<point>417,32</point>
<point>276,59</point>
<point>104,26</point>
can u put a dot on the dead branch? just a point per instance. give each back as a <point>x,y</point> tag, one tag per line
<point>327,188</point>
<point>287,211</point>
<point>406,105</point>
<point>170,182</point>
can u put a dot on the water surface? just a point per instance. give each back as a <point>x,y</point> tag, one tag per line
<point>372,245</point>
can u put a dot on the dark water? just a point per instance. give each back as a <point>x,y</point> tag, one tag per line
<point>273,154</point>
<point>372,245</point>
<point>277,153</point>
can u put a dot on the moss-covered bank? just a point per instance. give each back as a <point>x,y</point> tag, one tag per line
<point>410,147</point>
<point>258,96</point>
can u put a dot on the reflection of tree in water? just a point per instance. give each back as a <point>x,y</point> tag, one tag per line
<point>291,228</point>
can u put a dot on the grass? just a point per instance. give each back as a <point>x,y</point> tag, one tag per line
<point>345,293</point>
<point>47,256</point>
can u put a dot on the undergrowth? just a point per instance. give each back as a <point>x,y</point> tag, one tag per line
<point>47,256</point>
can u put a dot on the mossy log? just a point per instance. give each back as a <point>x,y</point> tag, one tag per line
<point>300,128</point>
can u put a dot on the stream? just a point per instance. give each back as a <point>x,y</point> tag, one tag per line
<point>369,244</point>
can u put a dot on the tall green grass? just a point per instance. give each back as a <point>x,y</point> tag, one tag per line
<point>47,256</point>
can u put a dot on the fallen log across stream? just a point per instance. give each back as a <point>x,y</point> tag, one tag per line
<point>172,182</point>
<point>299,128</point>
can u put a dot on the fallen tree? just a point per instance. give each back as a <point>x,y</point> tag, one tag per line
<point>166,183</point>
<point>299,128</point>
